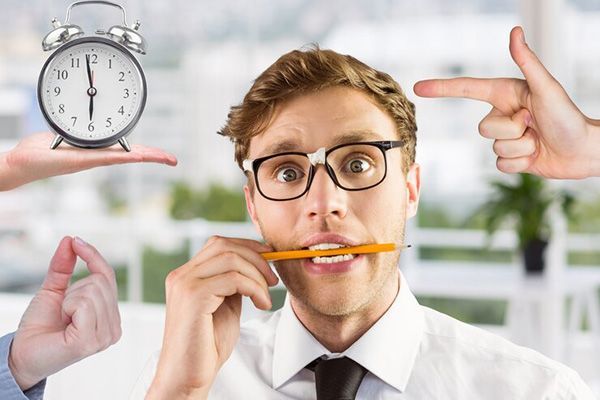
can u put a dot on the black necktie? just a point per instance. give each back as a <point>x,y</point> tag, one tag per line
<point>337,378</point>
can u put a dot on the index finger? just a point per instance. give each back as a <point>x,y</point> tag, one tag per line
<point>96,264</point>
<point>506,94</point>
<point>251,243</point>
<point>471,88</point>
<point>248,248</point>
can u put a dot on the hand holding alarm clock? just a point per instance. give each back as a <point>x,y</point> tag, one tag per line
<point>92,93</point>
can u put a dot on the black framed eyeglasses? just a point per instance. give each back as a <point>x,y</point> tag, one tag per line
<point>351,166</point>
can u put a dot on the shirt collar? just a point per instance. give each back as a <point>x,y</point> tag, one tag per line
<point>294,346</point>
<point>388,349</point>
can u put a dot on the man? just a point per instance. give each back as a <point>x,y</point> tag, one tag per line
<point>536,127</point>
<point>63,323</point>
<point>328,147</point>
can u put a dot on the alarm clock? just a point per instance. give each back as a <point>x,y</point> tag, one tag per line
<point>92,89</point>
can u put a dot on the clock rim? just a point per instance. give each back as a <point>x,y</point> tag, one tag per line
<point>94,143</point>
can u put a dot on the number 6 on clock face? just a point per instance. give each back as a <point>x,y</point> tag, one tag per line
<point>92,92</point>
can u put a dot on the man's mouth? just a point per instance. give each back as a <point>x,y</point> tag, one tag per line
<point>331,259</point>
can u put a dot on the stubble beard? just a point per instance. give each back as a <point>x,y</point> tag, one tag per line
<point>355,297</point>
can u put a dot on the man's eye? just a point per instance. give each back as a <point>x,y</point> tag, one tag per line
<point>357,165</point>
<point>288,175</point>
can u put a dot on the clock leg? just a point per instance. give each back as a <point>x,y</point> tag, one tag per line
<point>123,142</point>
<point>57,140</point>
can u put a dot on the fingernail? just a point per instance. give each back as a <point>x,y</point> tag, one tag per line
<point>81,241</point>
<point>523,37</point>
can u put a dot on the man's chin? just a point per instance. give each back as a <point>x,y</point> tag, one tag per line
<point>334,300</point>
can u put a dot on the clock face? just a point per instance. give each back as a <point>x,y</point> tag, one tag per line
<point>92,91</point>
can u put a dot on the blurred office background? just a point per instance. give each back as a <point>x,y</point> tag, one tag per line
<point>202,57</point>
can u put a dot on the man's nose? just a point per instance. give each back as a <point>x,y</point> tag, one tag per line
<point>324,197</point>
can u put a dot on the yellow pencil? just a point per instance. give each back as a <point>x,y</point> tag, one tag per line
<point>363,249</point>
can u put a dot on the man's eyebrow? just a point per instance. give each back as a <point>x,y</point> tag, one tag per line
<point>356,136</point>
<point>281,147</point>
<point>294,145</point>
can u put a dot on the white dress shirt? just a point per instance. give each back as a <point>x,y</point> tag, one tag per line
<point>411,352</point>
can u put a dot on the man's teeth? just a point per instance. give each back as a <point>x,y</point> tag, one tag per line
<point>334,259</point>
<point>329,260</point>
<point>325,246</point>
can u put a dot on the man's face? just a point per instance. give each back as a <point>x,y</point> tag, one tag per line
<point>329,214</point>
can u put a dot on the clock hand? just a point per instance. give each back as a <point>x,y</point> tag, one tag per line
<point>91,107</point>
<point>92,90</point>
<point>92,98</point>
<point>89,70</point>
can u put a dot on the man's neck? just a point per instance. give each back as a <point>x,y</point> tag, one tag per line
<point>338,333</point>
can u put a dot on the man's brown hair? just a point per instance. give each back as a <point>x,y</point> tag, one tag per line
<point>311,70</point>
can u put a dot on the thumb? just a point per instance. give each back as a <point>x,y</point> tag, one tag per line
<point>535,73</point>
<point>61,267</point>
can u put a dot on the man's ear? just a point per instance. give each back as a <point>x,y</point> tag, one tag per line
<point>413,186</point>
<point>251,209</point>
